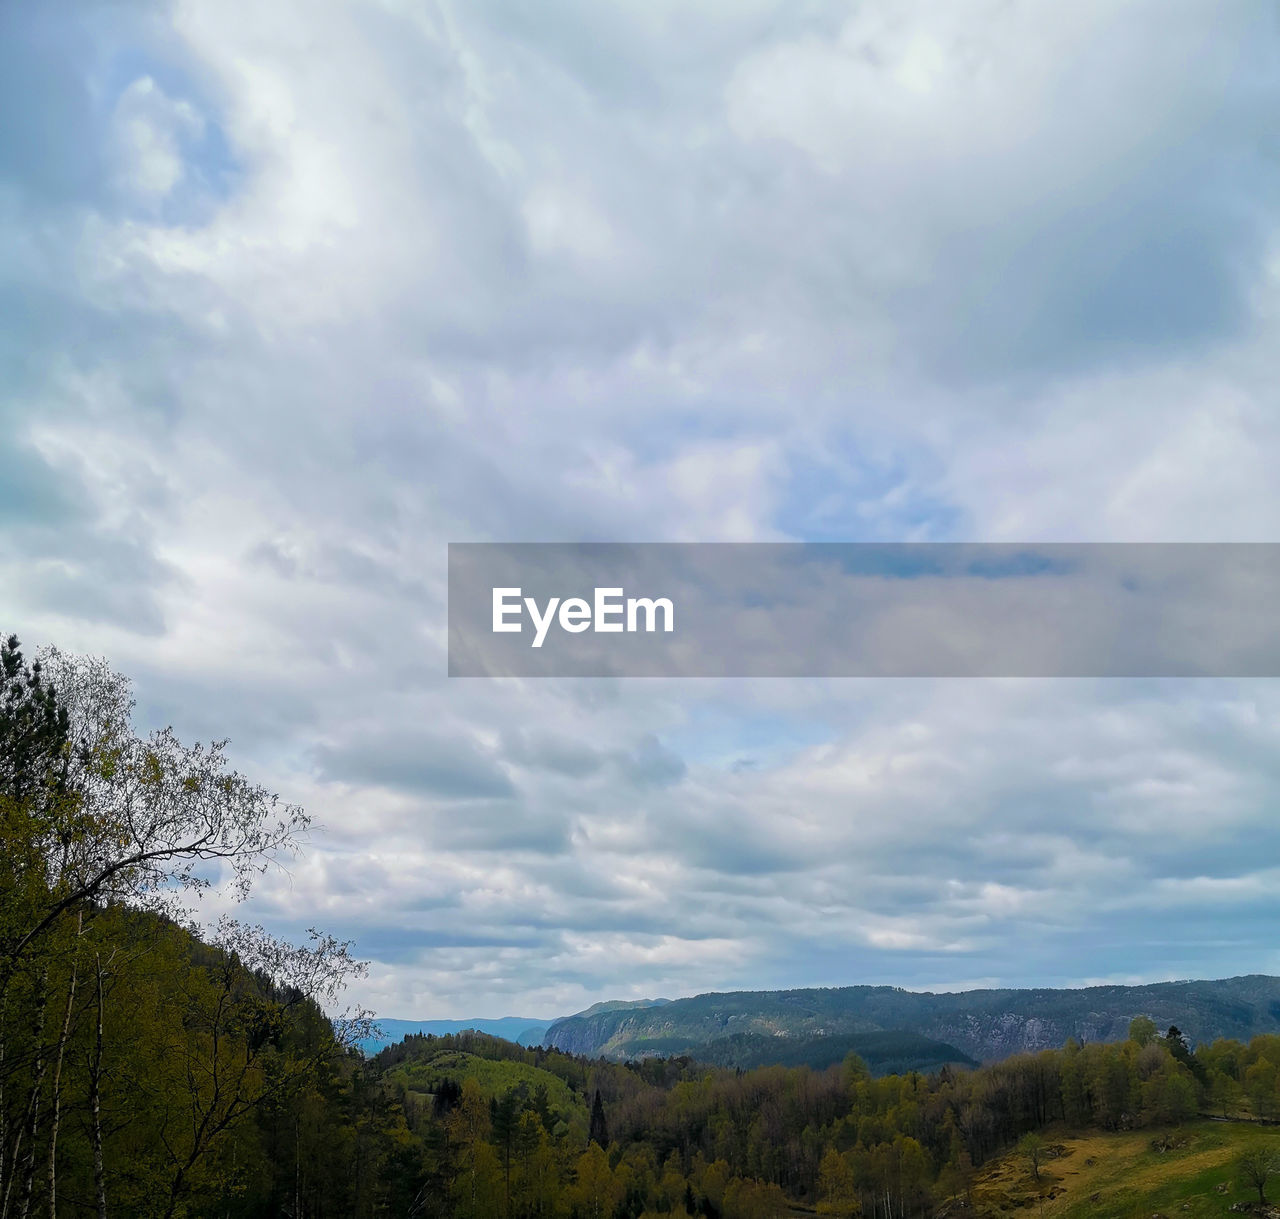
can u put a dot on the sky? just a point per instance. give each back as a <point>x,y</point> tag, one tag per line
<point>294,294</point>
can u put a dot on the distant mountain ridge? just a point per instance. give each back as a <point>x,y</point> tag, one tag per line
<point>523,1030</point>
<point>984,1024</point>
<point>617,1005</point>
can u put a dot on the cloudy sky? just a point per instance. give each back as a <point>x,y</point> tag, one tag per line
<point>296,293</point>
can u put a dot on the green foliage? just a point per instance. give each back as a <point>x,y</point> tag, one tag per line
<point>34,730</point>
<point>1142,1030</point>
<point>140,1068</point>
<point>837,1189</point>
<point>1257,1166</point>
<point>1031,1148</point>
<point>687,1138</point>
<point>423,1076</point>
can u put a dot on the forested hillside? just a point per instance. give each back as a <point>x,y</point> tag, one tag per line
<point>985,1024</point>
<point>507,1130</point>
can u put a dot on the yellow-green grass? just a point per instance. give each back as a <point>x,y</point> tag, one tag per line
<point>495,1078</point>
<point>1125,1176</point>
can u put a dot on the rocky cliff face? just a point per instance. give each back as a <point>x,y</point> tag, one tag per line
<point>987,1025</point>
<point>990,1037</point>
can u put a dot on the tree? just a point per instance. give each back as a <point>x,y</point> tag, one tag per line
<point>837,1193</point>
<point>129,819</point>
<point>1169,1096</point>
<point>1112,1082</point>
<point>599,1129</point>
<point>957,1174</point>
<point>537,1180</point>
<point>477,1186</point>
<point>853,1071</point>
<point>1260,1082</point>
<point>1181,1051</point>
<point>504,1114</point>
<point>1257,1166</point>
<point>1225,1092</point>
<point>748,1199</point>
<point>34,726</point>
<point>166,1050</point>
<point>36,825</point>
<point>1031,1148</point>
<point>596,1191</point>
<point>258,997</point>
<point>1142,1029</point>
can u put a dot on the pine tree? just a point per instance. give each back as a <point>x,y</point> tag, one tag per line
<point>599,1131</point>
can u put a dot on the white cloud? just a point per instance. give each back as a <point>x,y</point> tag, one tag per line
<point>150,128</point>
<point>667,273</point>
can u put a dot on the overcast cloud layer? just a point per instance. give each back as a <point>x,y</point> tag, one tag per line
<point>294,294</point>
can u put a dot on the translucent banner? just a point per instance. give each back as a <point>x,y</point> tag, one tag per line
<point>863,610</point>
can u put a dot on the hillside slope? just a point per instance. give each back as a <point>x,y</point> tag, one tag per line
<point>985,1024</point>
<point>1133,1173</point>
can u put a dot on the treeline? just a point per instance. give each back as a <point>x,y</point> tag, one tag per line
<point>672,1137</point>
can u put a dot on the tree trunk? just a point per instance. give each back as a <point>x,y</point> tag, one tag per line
<point>95,1106</point>
<point>4,1109</point>
<point>297,1169</point>
<point>56,1115</point>
<point>33,1108</point>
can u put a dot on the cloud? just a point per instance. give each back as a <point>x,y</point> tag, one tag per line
<point>426,764</point>
<point>289,318</point>
<point>149,131</point>
<point>1033,198</point>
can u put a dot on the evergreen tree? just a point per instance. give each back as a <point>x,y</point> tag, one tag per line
<point>598,1131</point>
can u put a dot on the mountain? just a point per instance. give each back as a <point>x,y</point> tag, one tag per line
<point>523,1029</point>
<point>617,1005</point>
<point>984,1024</point>
<point>520,1028</point>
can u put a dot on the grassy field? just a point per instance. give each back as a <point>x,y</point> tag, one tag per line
<point>1124,1176</point>
<point>494,1078</point>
